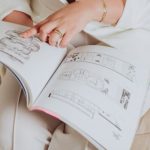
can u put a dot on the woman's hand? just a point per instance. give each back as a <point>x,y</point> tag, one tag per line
<point>19,18</point>
<point>66,22</point>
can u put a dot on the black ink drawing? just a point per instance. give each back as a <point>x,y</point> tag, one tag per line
<point>131,72</point>
<point>117,136</point>
<point>18,48</point>
<point>124,101</point>
<point>75,101</point>
<point>105,86</point>
<point>119,66</point>
<point>85,76</point>
<point>83,105</point>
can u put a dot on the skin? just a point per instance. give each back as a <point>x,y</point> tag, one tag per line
<point>24,19</point>
<point>70,20</point>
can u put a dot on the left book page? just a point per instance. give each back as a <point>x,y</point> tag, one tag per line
<point>32,61</point>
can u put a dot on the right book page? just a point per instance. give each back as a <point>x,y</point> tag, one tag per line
<point>100,92</point>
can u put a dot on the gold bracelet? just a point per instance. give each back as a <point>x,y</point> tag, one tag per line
<point>104,11</point>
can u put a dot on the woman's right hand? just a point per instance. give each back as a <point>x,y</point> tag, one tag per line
<point>68,21</point>
<point>19,17</point>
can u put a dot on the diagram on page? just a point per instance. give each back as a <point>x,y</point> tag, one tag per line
<point>18,48</point>
<point>121,67</point>
<point>101,84</point>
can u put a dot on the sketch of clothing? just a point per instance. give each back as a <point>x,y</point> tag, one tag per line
<point>18,48</point>
<point>124,101</point>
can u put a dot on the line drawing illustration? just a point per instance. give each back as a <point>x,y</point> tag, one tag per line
<point>18,48</point>
<point>125,98</point>
<point>117,136</point>
<point>99,83</point>
<point>75,101</point>
<point>82,75</point>
<point>83,105</point>
<point>121,67</point>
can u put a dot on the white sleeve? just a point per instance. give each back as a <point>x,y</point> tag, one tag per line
<point>7,6</point>
<point>135,15</point>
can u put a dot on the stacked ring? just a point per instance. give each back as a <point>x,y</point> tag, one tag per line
<point>59,33</point>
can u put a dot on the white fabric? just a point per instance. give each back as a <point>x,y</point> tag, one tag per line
<point>21,129</point>
<point>135,15</point>
<point>7,6</point>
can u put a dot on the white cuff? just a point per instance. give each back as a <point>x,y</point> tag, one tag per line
<point>7,7</point>
<point>127,19</point>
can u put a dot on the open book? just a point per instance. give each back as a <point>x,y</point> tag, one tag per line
<point>97,90</point>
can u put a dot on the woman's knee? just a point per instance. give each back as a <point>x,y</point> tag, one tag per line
<point>19,126</point>
<point>8,92</point>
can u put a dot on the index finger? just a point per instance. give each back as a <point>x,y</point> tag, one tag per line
<point>32,31</point>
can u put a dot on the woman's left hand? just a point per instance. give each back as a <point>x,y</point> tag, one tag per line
<point>64,24</point>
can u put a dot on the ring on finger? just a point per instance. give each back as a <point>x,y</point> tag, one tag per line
<point>58,32</point>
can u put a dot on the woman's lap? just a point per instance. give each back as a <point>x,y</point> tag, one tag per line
<point>20,128</point>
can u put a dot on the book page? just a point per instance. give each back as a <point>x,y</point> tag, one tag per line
<point>31,60</point>
<point>99,91</point>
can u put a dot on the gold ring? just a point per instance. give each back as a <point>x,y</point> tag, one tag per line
<point>59,33</point>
